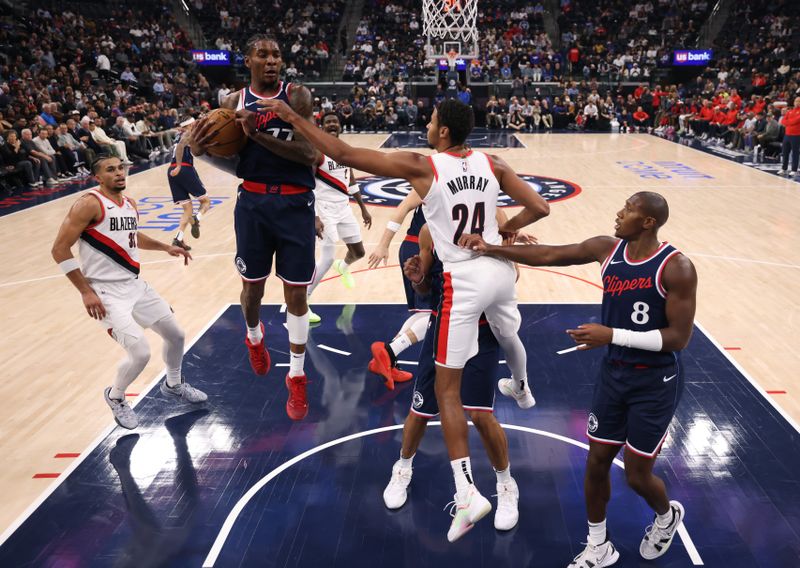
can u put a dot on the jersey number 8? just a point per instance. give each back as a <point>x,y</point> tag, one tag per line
<point>640,315</point>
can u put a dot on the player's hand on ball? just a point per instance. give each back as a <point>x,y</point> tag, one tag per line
<point>378,255</point>
<point>203,134</point>
<point>247,120</point>
<point>472,242</point>
<point>413,268</point>
<point>591,335</point>
<point>178,251</point>
<point>319,227</point>
<point>94,307</point>
<point>277,106</point>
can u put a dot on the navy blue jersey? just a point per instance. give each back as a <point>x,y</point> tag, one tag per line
<point>258,164</point>
<point>186,160</point>
<point>416,222</point>
<point>634,298</point>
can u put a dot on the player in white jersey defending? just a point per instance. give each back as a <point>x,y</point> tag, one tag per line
<point>335,186</point>
<point>106,222</point>
<point>459,188</point>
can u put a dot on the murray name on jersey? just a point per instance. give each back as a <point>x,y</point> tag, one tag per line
<point>122,224</point>
<point>473,182</point>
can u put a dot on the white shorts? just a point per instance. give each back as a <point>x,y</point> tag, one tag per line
<point>131,305</point>
<point>472,287</point>
<point>339,221</point>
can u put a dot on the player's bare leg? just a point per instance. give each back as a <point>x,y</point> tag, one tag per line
<point>669,514</point>
<point>296,298</point>
<point>395,494</point>
<point>470,506</point>
<point>186,216</point>
<point>599,550</point>
<point>205,205</point>
<point>496,444</point>
<point>250,298</point>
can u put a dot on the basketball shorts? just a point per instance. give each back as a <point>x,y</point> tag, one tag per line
<point>340,223</point>
<point>131,305</point>
<point>477,382</point>
<point>634,406</point>
<point>282,226</point>
<point>471,287</point>
<point>416,303</point>
<point>185,185</point>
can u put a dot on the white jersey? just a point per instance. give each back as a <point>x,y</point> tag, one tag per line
<point>108,249</point>
<point>333,182</point>
<point>462,200</point>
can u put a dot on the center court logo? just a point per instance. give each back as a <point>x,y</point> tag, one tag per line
<point>389,192</point>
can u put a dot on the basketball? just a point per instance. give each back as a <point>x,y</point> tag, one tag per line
<point>228,136</point>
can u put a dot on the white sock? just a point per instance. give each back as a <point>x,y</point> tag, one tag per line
<point>664,520</point>
<point>597,533</point>
<point>254,334</point>
<point>400,344</point>
<point>198,215</point>
<point>504,476</point>
<point>179,236</point>
<point>296,362</point>
<point>462,472</point>
<point>406,462</point>
<point>344,265</point>
<point>298,328</point>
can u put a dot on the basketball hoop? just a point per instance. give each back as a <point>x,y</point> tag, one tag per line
<point>450,20</point>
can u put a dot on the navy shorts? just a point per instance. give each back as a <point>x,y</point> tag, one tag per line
<point>634,406</point>
<point>477,382</point>
<point>185,184</point>
<point>279,225</point>
<point>416,303</point>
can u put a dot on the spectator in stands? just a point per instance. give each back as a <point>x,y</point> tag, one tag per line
<point>516,121</point>
<point>641,120</point>
<point>791,139</point>
<point>42,144</point>
<point>79,155</point>
<point>47,164</point>
<point>17,161</point>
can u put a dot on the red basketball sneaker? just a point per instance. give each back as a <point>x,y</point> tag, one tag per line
<point>381,363</point>
<point>401,376</point>
<point>259,356</point>
<point>297,405</point>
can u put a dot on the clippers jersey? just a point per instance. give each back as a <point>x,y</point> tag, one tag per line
<point>333,182</point>
<point>462,199</point>
<point>258,164</point>
<point>417,221</point>
<point>107,249</point>
<point>634,298</point>
<point>186,160</point>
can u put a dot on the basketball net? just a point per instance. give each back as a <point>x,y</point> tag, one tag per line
<point>450,20</point>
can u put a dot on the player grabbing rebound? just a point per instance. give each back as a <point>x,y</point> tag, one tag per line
<point>385,354</point>
<point>649,298</point>
<point>184,183</point>
<point>477,395</point>
<point>104,222</point>
<point>274,213</point>
<point>459,188</point>
<point>335,185</point>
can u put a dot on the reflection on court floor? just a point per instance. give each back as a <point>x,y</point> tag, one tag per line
<point>160,496</point>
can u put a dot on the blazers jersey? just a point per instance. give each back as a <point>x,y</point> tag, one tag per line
<point>108,249</point>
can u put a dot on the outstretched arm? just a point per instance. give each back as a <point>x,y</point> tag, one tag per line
<point>381,252</point>
<point>147,243</point>
<point>595,249</point>
<point>407,165</point>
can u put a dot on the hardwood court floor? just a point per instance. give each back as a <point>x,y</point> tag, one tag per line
<point>739,226</point>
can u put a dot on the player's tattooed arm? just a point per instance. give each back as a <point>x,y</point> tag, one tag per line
<point>595,249</point>
<point>83,213</point>
<point>298,149</point>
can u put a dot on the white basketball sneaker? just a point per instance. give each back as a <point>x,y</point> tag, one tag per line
<point>185,391</point>
<point>657,539</point>
<point>467,511</point>
<point>507,514</point>
<point>596,556</point>
<point>396,492</point>
<point>123,414</point>
<point>518,390</point>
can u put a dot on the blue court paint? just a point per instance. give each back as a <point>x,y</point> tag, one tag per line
<point>162,497</point>
<point>159,213</point>
<point>479,138</point>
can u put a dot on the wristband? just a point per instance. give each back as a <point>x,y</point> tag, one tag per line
<point>646,340</point>
<point>353,189</point>
<point>392,226</point>
<point>69,265</point>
